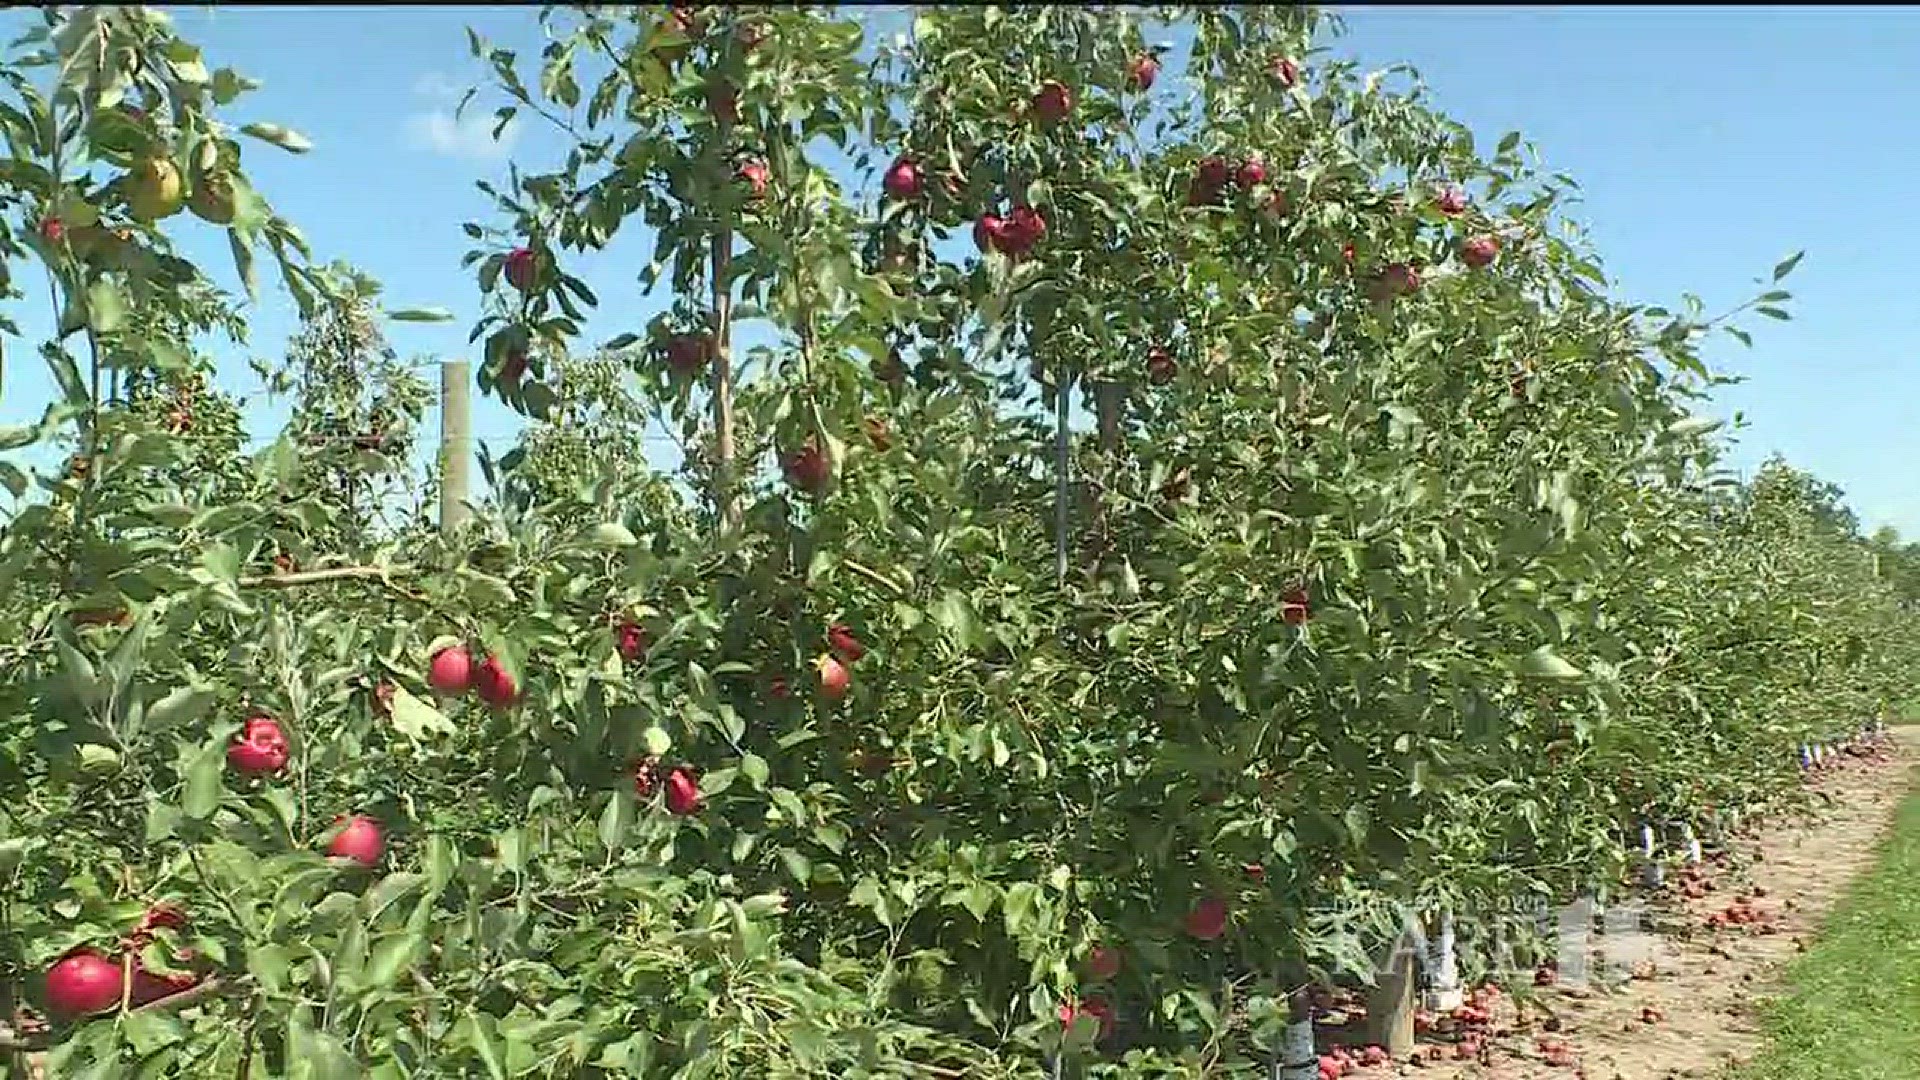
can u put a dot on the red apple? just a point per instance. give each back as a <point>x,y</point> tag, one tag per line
<point>1141,72</point>
<point>260,749</point>
<point>150,986</point>
<point>1023,228</point>
<point>1451,201</point>
<point>683,793</point>
<point>83,983</point>
<point>808,469</point>
<point>903,180</point>
<point>1210,178</point>
<point>1252,171</point>
<point>834,678</point>
<point>646,777</point>
<point>845,645</point>
<point>512,366</point>
<point>986,232</point>
<point>630,639</point>
<point>688,353</point>
<point>1208,919</point>
<point>1094,1007</point>
<point>522,267</point>
<point>360,839</point>
<point>1161,367</point>
<point>686,24</point>
<point>53,230</point>
<point>1053,102</point>
<point>1295,607</point>
<point>756,174</point>
<point>1395,279</point>
<point>494,683</point>
<point>450,671</point>
<point>777,688</point>
<point>1284,71</point>
<point>158,917</point>
<point>1480,251</point>
<point>1103,963</point>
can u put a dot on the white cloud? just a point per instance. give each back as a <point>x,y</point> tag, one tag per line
<point>468,137</point>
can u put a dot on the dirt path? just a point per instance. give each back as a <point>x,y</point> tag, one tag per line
<point>1692,1011</point>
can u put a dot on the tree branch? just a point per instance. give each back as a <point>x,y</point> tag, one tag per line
<point>321,577</point>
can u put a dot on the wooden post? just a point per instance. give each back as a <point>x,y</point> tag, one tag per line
<point>456,442</point>
<point>1106,403</point>
<point>1390,1005</point>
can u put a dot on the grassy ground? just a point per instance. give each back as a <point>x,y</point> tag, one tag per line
<point>1851,1007</point>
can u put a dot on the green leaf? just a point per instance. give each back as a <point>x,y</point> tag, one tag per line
<point>391,958</point>
<point>955,614</point>
<point>81,682</point>
<point>203,787</point>
<point>221,561</point>
<point>1787,264</point>
<point>181,706</point>
<point>229,84</point>
<point>617,819</point>
<point>282,137</point>
<point>13,437</point>
<point>66,374</point>
<point>477,1030</point>
<point>1544,663</point>
<point>611,534</point>
<point>421,314</point>
<point>242,250</point>
<point>754,768</point>
<point>106,308</point>
<point>1688,427</point>
<point>270,964</point>
<point>417,719</point>
<point>717,781</point>
<point>13,850</point>
<point>978,899</point>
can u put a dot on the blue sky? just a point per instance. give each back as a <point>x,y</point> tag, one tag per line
<point>1710,143</point>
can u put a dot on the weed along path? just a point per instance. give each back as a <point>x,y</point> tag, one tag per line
<point>1793,954</point>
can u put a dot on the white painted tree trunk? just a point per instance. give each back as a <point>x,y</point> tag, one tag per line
<point>1298,1059</point>
<point>1443,966</point>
